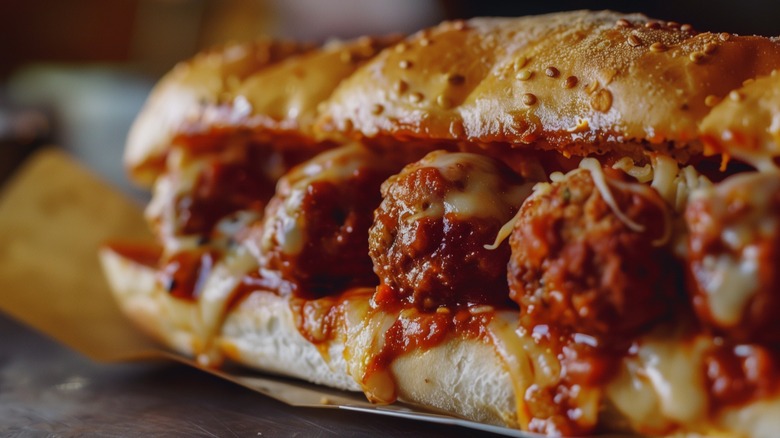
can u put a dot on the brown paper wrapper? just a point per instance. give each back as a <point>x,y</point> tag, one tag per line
<point>54,215</point>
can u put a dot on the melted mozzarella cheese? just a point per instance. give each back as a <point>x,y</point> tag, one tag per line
<point>168,188</point>
<point>730,283</point>
<point>483,194</point>
<point>731,279</point>
<point>218,290</point>
<point>662,384</point>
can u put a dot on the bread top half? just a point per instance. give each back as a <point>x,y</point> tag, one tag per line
<point>578,82</point>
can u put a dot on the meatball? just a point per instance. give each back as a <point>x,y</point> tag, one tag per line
<point>734,256</point>
<point>204,189</point>
<point>313,238</point>
<point>582,266</point>
<point>428,241</point>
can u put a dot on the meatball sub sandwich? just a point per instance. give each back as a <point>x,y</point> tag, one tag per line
<point>567,223</point>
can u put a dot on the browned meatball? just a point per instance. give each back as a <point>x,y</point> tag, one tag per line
<point>578,267</point>
<point>429,234</point>
<point>734,256</point>
<point>313,240</point>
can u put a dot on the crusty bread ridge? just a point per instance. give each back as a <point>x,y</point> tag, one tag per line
<point>266,86</point>
<point>557,81</point>
<point>560,80</point>
<point>747,123</point>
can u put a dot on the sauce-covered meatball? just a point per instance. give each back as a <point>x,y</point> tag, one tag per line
<point>205,189</point>
<point>734,256</point>
<point>581,265</point>
<point>313,239</point>
<point>428,241</point>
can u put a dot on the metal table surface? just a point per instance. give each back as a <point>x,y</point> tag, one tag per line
<point>48,390</point>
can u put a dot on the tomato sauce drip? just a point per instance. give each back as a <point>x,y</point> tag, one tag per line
<point>240,174</point>
<point>415,330</point>
<point>222,189</point>
<point>184,273</point>
<point>319,321</point>
<point>739,374</point>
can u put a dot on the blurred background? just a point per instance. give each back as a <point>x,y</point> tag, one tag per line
<point>75,72</point>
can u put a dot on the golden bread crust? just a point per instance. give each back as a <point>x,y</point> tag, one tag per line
<point>187,90</point>
<point>557,81</point>
<point>273,87</point>
<point>746,124</point>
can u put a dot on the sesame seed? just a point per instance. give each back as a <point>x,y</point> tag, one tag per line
<point>425,42</point>
<point>400,47</point>
<point>459,25</point>
<point>416,97</point>
<point>346,56</point>
<point>405,64</point>
<point>653,25</point>
<point>658,47</point>
<point>634,41</point>
<point>401,86</point>
<point>482,308</point>
<point>443,101</point>
<point>376,109</point>
<point>711,100</point>
<point>601,101</point>
<point>521,62</point>
<point>529,99</point>
<point>710,48</point>
<point>686,27</point>
<point>456,79</point>
<point>552,72</point>
<point>736,96</point>
<point>590,88</point>
<point>570,82</point>
<point>724,36</point>
<point>697,57</point>
<point>524,75</point>
<point>623,23</point>
<point>748,81</point>
<point>673,24</point>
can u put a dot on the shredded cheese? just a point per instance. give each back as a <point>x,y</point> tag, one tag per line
<point>642,174</point>
<point>646,192</point>
<point>506,229</point>
<point>600,181</point>
<point>664,175</point>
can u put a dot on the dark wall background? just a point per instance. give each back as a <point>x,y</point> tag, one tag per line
<point>737,16</point>
<point>151,35</point>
